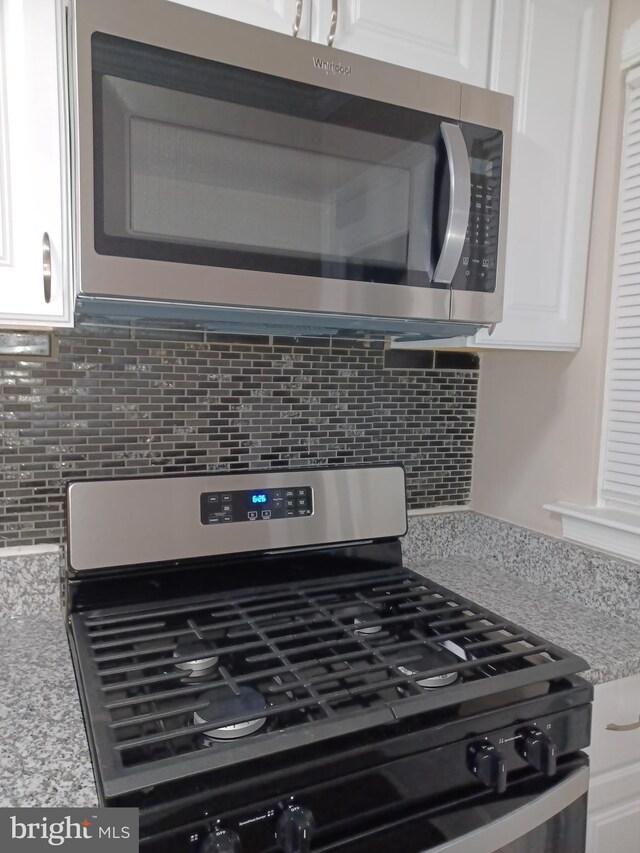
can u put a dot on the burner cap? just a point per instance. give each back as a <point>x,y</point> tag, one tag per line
<point>224,703</point>
<point>204,656</point>
<point>359,613</point>
<point>431,659</point>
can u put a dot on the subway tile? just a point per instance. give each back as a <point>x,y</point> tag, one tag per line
<point>116,401</point>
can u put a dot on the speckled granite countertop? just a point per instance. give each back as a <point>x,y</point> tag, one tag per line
<point>610,645</point>
<point>44,757</point>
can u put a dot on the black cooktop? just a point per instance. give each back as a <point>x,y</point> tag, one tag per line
<point>182,685</point>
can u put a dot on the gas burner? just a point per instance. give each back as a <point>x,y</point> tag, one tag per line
<point>357,614</point>
<point>203,662</point>
<point>430,658</point>
<point>225,704</point>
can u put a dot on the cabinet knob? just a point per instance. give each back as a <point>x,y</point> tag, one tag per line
<point>46,266</point>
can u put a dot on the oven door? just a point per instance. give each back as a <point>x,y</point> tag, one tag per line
<point>534,816</point>
<point>223,164</point>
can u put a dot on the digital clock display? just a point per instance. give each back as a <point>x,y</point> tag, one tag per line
<point>259,498</point>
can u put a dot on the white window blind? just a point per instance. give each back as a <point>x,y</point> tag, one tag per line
<point>620,472</point>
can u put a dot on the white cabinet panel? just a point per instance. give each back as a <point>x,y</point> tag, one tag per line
<point>276,15</point>
<point>446,38</point>
<point>617,703</point>
<point>33,158</point>
<point>613,822</point>
<point>550,57</point>
<point>615,827</point>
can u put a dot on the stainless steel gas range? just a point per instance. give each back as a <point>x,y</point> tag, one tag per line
<point>259,672</point>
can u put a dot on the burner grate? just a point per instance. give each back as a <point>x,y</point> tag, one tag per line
<point>305,648</point>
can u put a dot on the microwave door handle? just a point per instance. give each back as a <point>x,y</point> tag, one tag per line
<point>504,831</point>
<point>459,203</point>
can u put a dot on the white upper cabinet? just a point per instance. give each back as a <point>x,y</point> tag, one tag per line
<point>33,166</point>
<point>550,57</point>
<point>278,15</point>
<point>449,38</point>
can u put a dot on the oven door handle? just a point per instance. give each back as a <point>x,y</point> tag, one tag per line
<point>459,203</point>
<point>505,830</point>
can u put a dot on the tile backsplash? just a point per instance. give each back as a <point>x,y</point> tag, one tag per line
<point>114,402</point>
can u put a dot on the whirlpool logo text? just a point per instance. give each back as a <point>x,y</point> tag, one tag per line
<point>70,829</point>
<point>330,67</point>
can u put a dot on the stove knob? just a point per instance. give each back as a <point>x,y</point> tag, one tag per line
<point>294,829</point>
<point>489,765</point>
<point>538,750</point>
<point>221,841</point>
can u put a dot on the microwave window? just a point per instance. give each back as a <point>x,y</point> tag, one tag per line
<point>200,162</point>
<point>213,187</point>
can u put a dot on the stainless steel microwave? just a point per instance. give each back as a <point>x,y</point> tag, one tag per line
<point>248,179</point>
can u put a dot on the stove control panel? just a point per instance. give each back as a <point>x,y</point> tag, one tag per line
<point>256,505</point>
<point>387,804</point>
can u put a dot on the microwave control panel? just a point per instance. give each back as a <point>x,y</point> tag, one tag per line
<point>480,251</point>
<point>478,263</point>
<point>256,505</point>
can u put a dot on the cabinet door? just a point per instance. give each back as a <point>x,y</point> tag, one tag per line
<point>450,38</point>
<point>613,821</point>
<point>278,15</point>
<point>550,57</point>
<point>33,158</point>
<point>615,828</point>
<point>615,733</point>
